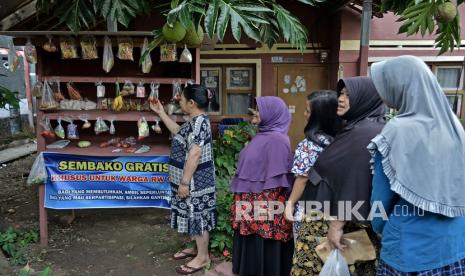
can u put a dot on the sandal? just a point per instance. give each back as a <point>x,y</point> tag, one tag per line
<point>183,255</point>
<point>182,269</point>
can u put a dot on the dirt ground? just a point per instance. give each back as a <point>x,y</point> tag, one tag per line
<point>99,242</point>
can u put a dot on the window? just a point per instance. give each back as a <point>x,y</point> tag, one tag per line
<point>450,77</point>
<point>234,87</point>
<point>455,102</point>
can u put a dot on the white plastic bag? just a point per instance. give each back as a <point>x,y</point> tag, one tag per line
<point>108,59</point>
<point>38,173</point>
<point>147,62</point>
<point>335,265</point>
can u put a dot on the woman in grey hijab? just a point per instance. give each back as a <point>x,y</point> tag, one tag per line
<point>419,174</point>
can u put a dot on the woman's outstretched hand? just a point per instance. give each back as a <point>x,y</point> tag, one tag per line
<point>157,107</point>
<point>335,233</point>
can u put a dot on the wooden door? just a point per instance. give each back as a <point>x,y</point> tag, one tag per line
<point>294,84</point>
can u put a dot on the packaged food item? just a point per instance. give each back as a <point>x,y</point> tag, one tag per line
<point>30,52</point>
<point>108,59</point>
<point>140,90</point>
<point>168,53</point>
<point>128,89</point>
<point>112,126</point>
<point>71,129</point>
<point>147,61</point>
<point>58,144</point>
<point>153,97</point>
<point>49,46</point>
<point>85,119</point>
<point>84,144</point>
<point>186,56</point>
<point>156,128</point>
<point>125,48</point>
<point>37,89</point>
<point>73,93</point>
<point>100,126</point>
<point>118,102</point>
<point>59,130</point>
<point>68,48</point>
<point>47,131</point>
<point>89,48</point>
<point>176,91</point>
<point>13,59</point>
<point>48,101</point>
<point>57,95</point>
<point>143,149</point>
<point>143,127</point>
<point>38,173</point>
<point>100,90</point>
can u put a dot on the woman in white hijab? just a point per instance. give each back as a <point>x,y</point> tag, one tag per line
<point>419,174</point>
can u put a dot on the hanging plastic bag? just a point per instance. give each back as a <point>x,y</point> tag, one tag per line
<point>108,59</point>
<point>48,131</point>
<point>71,129</point>
<point>100,89</point>
<point>89,48</point>
<point>100,126</point>
<point>143,127</point>
<point>177,91</point>
<point>125,48</point>
<point>13,59</point>
<point>48,102</point>
<point>68,48</point>
<point>49,46</point>
<point>156,127</point>
<point>30,52</point>
<point>73,92</point>
<point>168,53</point>
<point>85,119</point>
<point>186,56</point>
<point>57,95</point>
<point>112,126</point>
<point>37,89</point>
<point>153,97</point>
<point>140,90</point>
<point>38,173</point>
<point>335,265</point>
<point>128,89</point>
<point>147,61</point>
<point>59,130</point>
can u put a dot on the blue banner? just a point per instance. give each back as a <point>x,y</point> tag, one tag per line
<point>81,182</point>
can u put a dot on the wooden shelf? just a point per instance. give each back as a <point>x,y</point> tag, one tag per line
<point>93,79</point>
<point>95,150</point>
<point>119,116</point>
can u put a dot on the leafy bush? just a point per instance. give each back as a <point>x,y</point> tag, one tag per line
<point>13,243</point>
<point>226,152</point>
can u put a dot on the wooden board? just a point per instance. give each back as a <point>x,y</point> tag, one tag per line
<point>290,86</point>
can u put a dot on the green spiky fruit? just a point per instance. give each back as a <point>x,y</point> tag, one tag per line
<point>174,33</point>
<point>446,12</point>
<point>194,37</point>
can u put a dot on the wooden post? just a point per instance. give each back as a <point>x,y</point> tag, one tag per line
<point>43,217</point>
<point>365,37</point>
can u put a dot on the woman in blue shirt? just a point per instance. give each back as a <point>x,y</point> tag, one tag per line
<point>419,176</point>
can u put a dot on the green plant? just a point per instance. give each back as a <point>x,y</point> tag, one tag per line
<point>7,97</point>
<point>27,270</point>
<point>226,151</point>
<point>14,241</point>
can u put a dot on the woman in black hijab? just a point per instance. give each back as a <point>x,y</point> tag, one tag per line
<point>342,172</point>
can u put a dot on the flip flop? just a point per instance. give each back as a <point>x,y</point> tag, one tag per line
<point>191,270</point>
<point>183,255</point>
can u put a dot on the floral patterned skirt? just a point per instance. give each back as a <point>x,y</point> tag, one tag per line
<point>256,213</point>
<point>306,260</point>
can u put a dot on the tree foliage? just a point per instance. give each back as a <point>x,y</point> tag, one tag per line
<point>264,21</point>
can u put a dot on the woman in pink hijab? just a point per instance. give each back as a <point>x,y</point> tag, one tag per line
<point>263,243</point>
